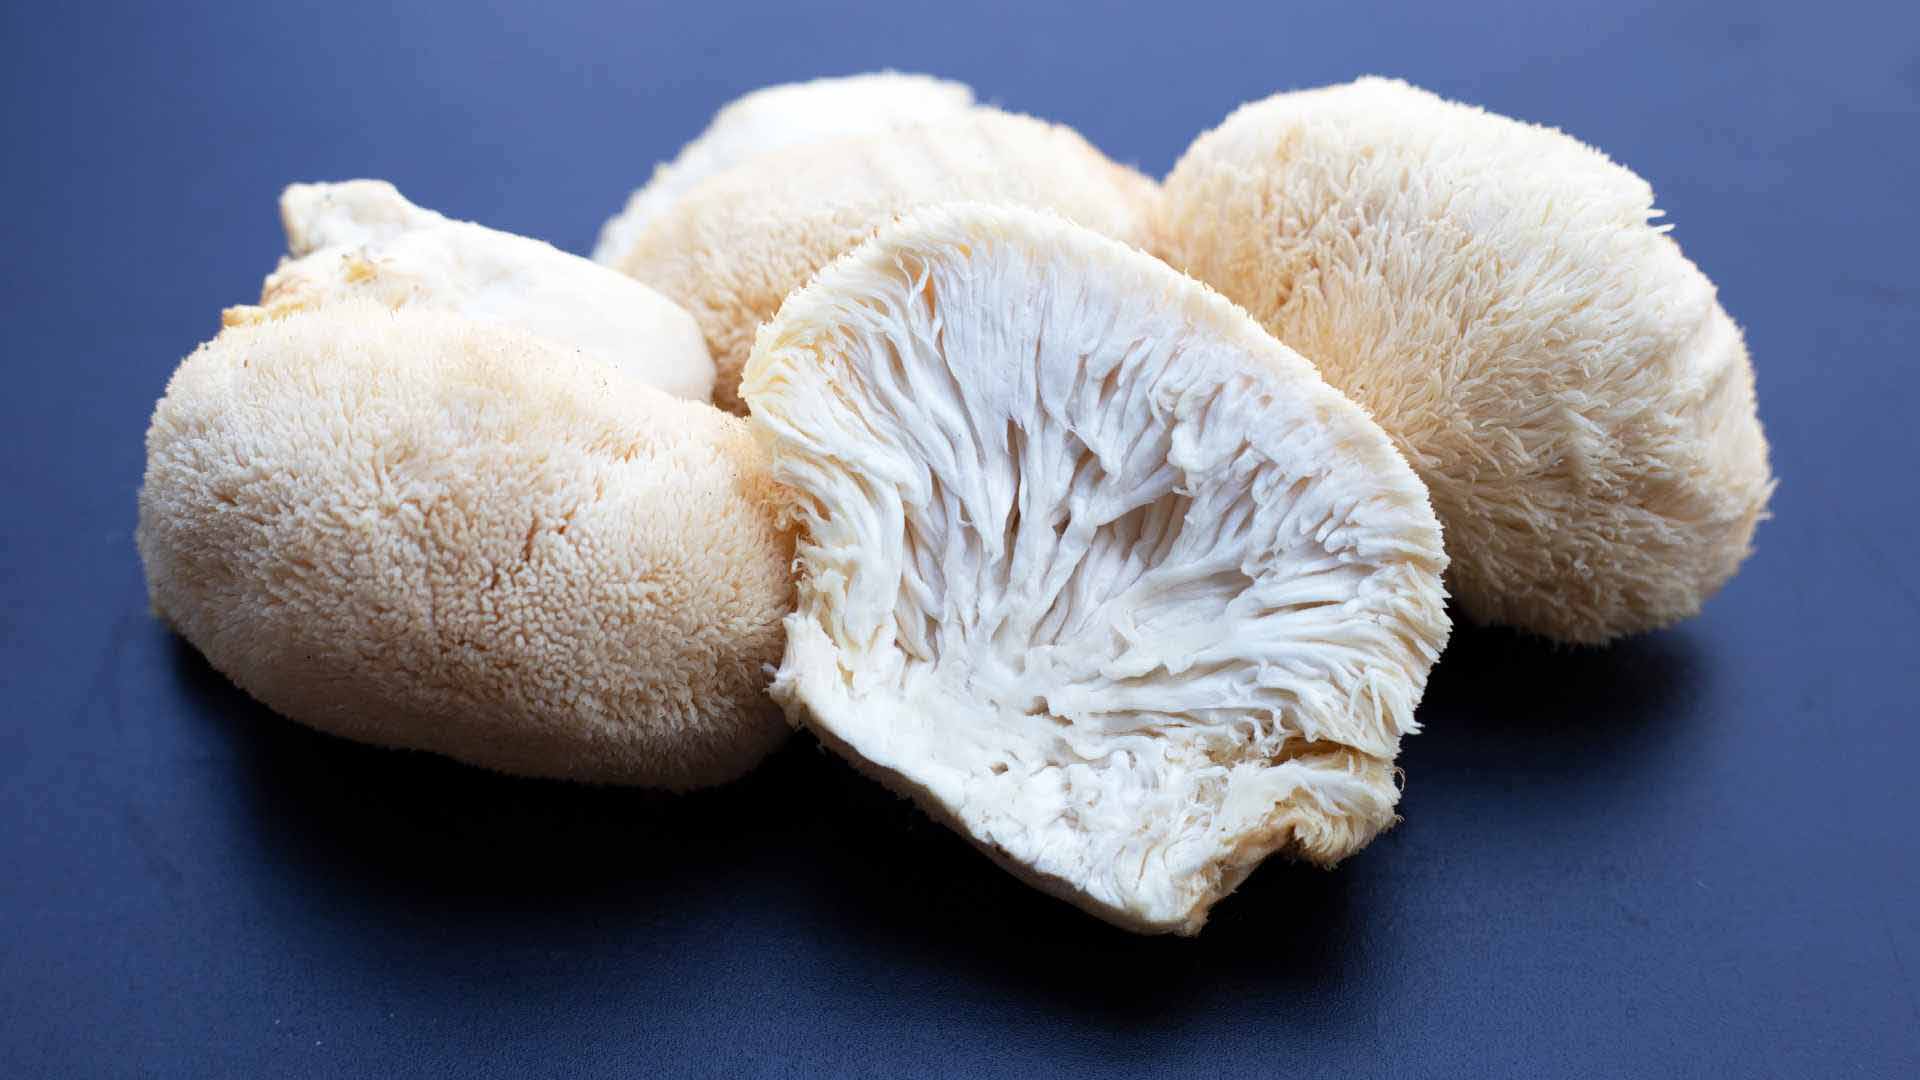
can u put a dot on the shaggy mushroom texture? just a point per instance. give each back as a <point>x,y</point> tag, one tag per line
<point>776,117</point>
<point>734,247</point>
<point>1561,376</point>
<point>1090,565</point>
<point>411,529</point>
<point>362,239</point>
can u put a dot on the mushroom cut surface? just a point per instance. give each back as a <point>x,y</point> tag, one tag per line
<point>1091,566</point>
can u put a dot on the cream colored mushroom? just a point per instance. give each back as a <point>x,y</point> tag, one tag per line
<point>1565,381</point>
<point>776,117</point>
<point>417,530</point>
<point>1091,566</point>
<point>734,247</point>
<point>349,214</point>
<point>361,238</point>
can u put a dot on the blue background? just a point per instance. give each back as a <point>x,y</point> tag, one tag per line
<point>1693,854</point>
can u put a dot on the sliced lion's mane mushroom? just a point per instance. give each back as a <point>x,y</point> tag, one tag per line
<point>1090,565</point>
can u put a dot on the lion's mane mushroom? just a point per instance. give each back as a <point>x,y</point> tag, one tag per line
<point>362,239</point>
<point>1090,565</point>
<point>416,530</point>
<point>776,117</point>
<point>731,249</point>
<point>1557,371</point>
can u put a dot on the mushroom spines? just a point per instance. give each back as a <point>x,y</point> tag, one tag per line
<point>412,529</point>
<point>773,118</point>
<point>1495,294</point>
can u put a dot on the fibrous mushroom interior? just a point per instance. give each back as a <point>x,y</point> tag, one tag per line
<point>1091,565</point>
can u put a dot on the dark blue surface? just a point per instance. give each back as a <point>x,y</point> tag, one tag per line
<point>1692,855</point>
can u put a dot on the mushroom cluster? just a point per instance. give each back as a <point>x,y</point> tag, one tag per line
<point>1112,522</point>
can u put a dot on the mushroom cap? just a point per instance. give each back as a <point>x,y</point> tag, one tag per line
<point>348,213</point>
<point>412,529</point>
<point>775,117</point>
<point>1493,293</point>
<point>1090,565</point>
<point>736,245</point>
<point>361,238</point>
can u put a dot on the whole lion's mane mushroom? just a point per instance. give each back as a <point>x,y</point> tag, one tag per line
<point>1562,377</point>
<point>733,247</point>
<point>774,118</point>
<point>1090,565</point>
<point>418,530</point>
<point>363,239</point>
